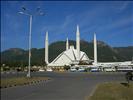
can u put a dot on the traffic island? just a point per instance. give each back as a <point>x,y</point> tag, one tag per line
<point>112,91</point>
<point>20,81</point>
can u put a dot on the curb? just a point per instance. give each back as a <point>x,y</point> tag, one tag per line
<point>28,83</point>
<point>92,92</point>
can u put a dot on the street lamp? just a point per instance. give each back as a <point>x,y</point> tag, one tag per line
<point>30,15</point>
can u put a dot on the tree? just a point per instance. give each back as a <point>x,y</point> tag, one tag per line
<point>83,63</point>
<point>77,68</point>
<point>128,76</point>
<point>66,67</point>
<point>116,68</point>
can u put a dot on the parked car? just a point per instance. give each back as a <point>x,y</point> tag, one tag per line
<point>81,69</point>
<point>41,70</point>
<point>94,69</point>
<point>49,70</point>
<point>73,69</point>
<point>124,69</point>
<point>109,69</point>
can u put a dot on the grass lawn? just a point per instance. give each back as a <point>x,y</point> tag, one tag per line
<point>113,91</point>
<point>20,81</point>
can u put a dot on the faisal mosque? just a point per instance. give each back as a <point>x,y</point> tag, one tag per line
<point>71,55</point>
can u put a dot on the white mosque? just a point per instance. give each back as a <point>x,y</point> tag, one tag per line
<point>70,55</point>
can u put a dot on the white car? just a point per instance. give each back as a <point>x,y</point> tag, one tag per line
<point>94,69</point>
<point>49,70</point>
<point>81,69</point>
<point>73,69</point>
<point>41,70</point>
<point>109,69</point>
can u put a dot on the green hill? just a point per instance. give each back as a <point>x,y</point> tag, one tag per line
<point>17,56</point>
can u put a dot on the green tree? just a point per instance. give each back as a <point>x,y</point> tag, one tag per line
<point>66,67</point>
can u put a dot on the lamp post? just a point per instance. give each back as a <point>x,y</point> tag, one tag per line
<point>30,15</point>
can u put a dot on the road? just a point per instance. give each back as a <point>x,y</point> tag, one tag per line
<point>63,86</point>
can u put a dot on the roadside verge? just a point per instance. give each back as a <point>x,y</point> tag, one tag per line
<point>112,91</point>
<point>20,81</point>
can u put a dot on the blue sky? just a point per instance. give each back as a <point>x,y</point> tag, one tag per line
<point>111,20</point>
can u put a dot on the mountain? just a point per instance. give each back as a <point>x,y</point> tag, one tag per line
<point>125,52</point>
<point>19,57</point>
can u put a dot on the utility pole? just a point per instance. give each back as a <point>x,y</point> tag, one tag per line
<point>30,33</point>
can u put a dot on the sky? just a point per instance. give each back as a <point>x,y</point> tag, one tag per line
<point>112,21</point>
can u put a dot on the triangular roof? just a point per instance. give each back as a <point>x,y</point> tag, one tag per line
<point>68,57</point>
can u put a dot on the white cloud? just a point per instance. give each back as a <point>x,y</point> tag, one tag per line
<point>89,20</point>
<point>60,28</point>
<point>84,19</point>
<point>68,20</point>
<point>124,5</point>
<point>120,6</point>
<point>116,24</point>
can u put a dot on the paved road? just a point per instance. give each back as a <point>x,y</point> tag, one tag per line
<point>63,86</point>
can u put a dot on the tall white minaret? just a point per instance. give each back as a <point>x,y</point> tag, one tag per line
<point>78,43</point>
<point>67,44</point>
<point>95,49</point>
<point>46,48</point>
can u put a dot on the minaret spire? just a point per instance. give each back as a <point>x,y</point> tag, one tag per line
<point>67,44</point>
<point>95,49</point>
<point>46,48</point>
<point>78,43</point>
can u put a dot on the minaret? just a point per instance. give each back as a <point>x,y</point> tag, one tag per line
<point>67,44</point>
<point>95,49</point>
<point>46,48</point>
<point>78,43</point>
